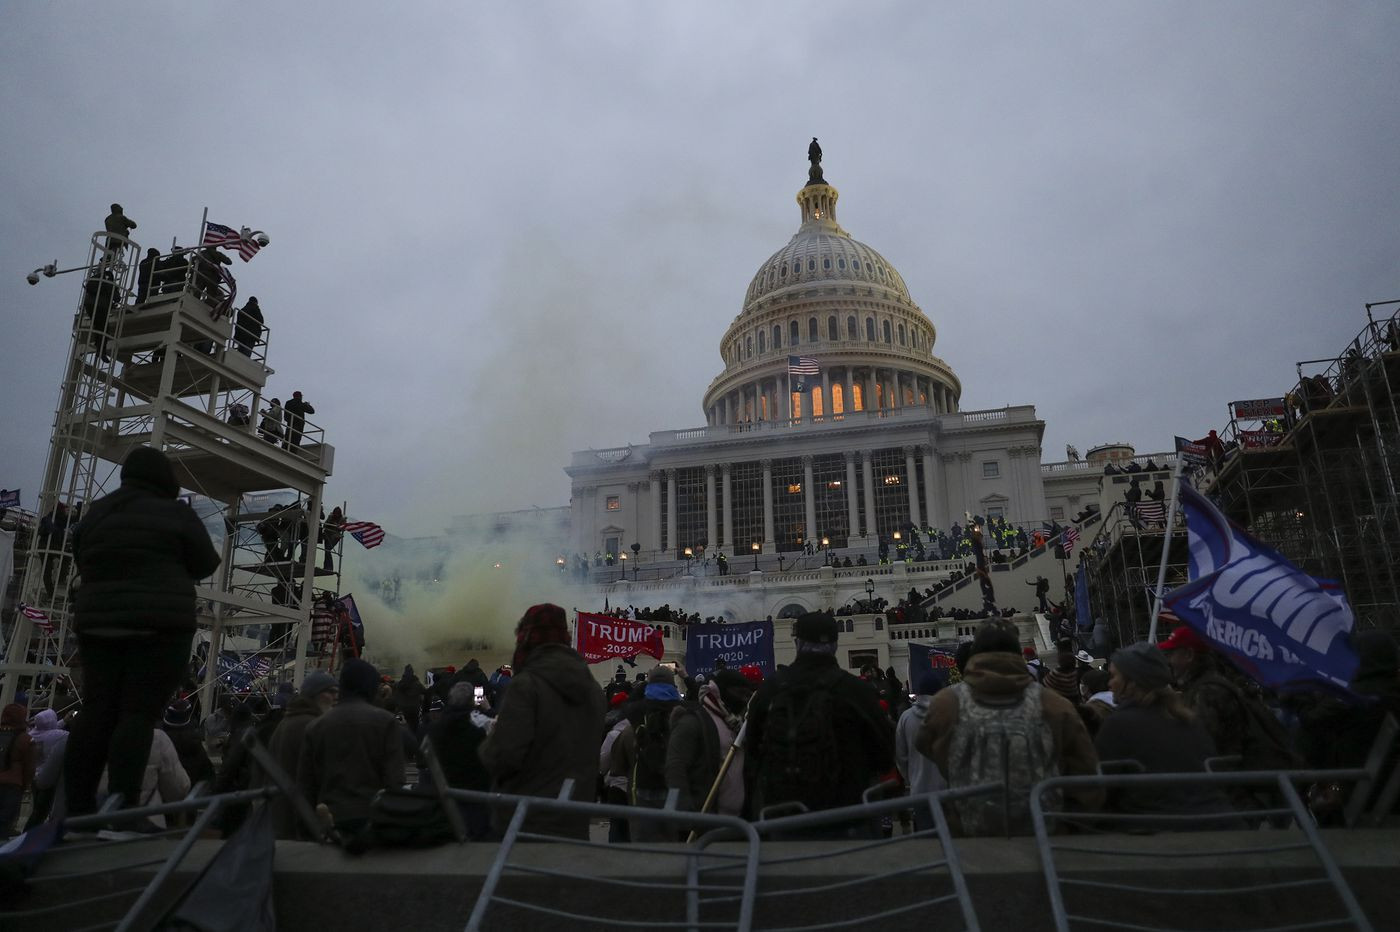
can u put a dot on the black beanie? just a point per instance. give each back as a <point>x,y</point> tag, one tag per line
<point>151,468</point>
<point>358,678</point>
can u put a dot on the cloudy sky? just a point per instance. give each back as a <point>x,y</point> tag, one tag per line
<point>502,232</point>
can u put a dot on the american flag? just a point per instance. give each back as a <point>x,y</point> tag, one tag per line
<point>226,305</point>
<point>367,533</point>
<point>802,366</point>
<point>1150,512</point>
<point>38,617</point>
<point>216,234</point>
<point>1070,538</point>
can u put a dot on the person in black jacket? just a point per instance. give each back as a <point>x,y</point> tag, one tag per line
<point>296,411</point>
<point>248,327</point>
<point>139,552</point>
<point>456,737</point>
<point>790,762</point>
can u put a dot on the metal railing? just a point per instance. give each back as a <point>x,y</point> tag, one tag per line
<point>71,862</point>
<point>1101,859</point>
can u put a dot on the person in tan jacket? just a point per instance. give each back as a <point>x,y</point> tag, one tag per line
<point>999,726</point>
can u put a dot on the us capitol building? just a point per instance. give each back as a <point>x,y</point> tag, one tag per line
<point>872,439</point>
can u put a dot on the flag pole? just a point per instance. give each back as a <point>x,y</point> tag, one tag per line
<point>1166,551</point>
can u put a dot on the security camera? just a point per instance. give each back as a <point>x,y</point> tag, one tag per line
<point>32,278</point>
<point>261,238</point>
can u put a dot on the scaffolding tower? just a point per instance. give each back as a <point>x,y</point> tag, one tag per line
<point>1318,483</point>
<point>157,363</point>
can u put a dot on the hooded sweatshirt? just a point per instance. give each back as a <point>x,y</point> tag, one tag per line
<point>547,731</point>
<point>47,733</point>
<point>920,774</point>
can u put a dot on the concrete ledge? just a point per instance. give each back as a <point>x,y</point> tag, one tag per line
<point>317,887</point>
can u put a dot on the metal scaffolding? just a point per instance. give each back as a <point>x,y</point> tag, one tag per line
<point>157,363</point>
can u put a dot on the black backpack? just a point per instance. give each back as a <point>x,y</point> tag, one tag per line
<point>7,741</point>
<point>800,760</point>
<point>653,733</point>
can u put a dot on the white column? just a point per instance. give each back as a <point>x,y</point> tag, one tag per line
<point>809,496</point>
<point>870,390</point>
<point>767,505</point>
<point>866,457</point>
<point>671,547</point>
<point>898,390</point>
<point>726,540</point>
<point>911,476</point>
<point>711,516</point>
<point>654,488</point>
<point>930,482</point>
<point>852,512</point>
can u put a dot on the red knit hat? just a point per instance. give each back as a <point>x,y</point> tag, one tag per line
<point>752,672</point>
<point>541,624</point>
<point>618,699</point>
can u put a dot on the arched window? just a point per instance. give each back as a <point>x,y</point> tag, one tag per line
<point>777,336</point>
<point>793,332</point>
<point>782,270</point>
<point>812,334</point>
<point>811,265</point>
<point>901,334</point>
<point>885,327</point>
<point>748,346</point>
<point>826,264</point>
<point>851,332</point>
<point>857,397</point>
<point>833,332</point>
<point>870,329</point>
<point>760,342</point>
<point>838,398</point>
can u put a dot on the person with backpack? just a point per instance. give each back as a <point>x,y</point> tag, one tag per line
<point>701,735</point>
<point>999,726</point>
<point>817,735</point>
<point>640,753</point>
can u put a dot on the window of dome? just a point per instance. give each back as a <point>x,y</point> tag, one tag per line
<point>777,336</point>
<point>852,333</point>
<point>811,265</point>
<point>748,346</point>
<point>793,332</point>
<point>812,334</point>
<point>826,264</point>
<point>901,334</point>
<point>841,264</point>
<point>833,332</point>
<point>855,264</point>
<point>881,269</point>
<point>870,329</point>
<point>885,328</point>
<point>782,271</point>
<point>760,342</point>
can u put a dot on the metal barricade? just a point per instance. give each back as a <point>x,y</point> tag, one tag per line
<point>854,859</point>
<point>1107,843</point>
<point>88,855</point>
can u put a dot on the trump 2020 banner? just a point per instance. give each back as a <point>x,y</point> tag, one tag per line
<point>1276,623</point>
<point>737,645</point>
<point>603,637</point>
<point>925,657</point>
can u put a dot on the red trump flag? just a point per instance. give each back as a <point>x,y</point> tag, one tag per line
<point>603,637</point>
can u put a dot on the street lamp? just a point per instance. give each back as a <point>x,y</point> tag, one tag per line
<point>826,551</point>
<point>689,555</point>
<point>560,563</point>
<point>869,595</point>
<point>623,558</point>
<point>636,555</point>
<point>755,556</point>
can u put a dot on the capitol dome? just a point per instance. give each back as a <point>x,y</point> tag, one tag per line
<point>845,312</point>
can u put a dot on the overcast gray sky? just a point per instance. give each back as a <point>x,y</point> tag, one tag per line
<point>502,232</point>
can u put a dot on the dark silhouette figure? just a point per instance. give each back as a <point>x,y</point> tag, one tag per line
<point>118,224</point>
<point>145,275</point>
<point>99,294</point>
<point>296,411</point>
<point>248,329</point>
<point>171,272</point>
<point>814,155</point>
<point>207,274</point>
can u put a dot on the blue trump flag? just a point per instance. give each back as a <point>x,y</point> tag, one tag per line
<point>9,498</point>
<point>1085,618</point>
<point>925,657</point>
<point>737,645</point>
<point>1276,623</point>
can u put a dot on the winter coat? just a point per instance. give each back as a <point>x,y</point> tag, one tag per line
<point>1161,744</point>
<point>21,755</point>
<point>1001,678</point>
<point>48,734</point>
<point>285,748</point>
<point>546,732</point>
<point>456,740</point>
<point>349,754</point>
<point>164,780</point>
<point>139,553</point>
<point>920,774</point>
<point>861,728</point>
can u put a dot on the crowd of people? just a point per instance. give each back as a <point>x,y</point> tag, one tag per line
<point>814,734</point>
